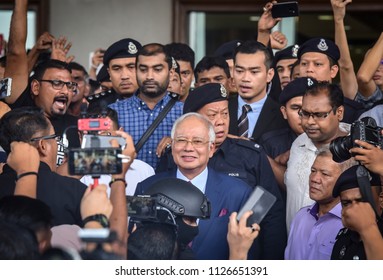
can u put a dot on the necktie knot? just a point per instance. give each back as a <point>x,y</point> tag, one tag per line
<point>246,108</point>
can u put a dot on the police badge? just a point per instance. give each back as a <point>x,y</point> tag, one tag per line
<point>309,82</point>
<point>223,91</point>
<point>174,63</point>
<point>294,51</point>
<point>132,49</point>
<point>322,46</point>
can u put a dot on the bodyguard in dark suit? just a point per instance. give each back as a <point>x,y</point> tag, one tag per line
<point>192,145</point>
<point>252,72</point>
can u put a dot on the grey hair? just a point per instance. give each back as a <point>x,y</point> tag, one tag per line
<point>325,152</point>
<point>207,123</point>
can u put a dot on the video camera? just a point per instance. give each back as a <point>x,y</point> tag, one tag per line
<point>365,130</point>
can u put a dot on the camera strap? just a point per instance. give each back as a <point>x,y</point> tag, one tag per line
<point>174,98</point>
<point>363,178</point>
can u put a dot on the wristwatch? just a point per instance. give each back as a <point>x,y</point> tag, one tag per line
<point>100,218</point>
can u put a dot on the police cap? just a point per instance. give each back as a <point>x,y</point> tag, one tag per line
<point>203,95</point>
<point>103,75</point>
<point>180,197</point>
<point>296,88</point>
<point>287,53</point>
<point>227,49</point>
<point>348,180</point>
<point>124,48</point>
<point>320,45</point>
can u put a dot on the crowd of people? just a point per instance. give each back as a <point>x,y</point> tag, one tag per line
<point>198,140</point>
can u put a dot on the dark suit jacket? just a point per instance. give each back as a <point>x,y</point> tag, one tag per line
<point>226,195</point>
<point>269,119</point>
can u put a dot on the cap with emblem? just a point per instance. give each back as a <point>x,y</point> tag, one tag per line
<point>320,45</point>
<point>296,88</point>
<point>226,50</point>
<point>124,48</point>
<point>348,180</point>
<point>290,52</point>
<point>203,95</point>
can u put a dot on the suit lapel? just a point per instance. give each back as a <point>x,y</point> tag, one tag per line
<point>233,109</point>
<point>213,193</point>
<point>266,117</point>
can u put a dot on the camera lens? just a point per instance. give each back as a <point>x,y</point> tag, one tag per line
<point>340,147</point>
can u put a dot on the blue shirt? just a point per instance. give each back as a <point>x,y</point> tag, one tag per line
<point>253,115</point>
<point>135,117</point>
<point>312,237</point>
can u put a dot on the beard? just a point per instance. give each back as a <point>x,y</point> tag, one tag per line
<point>153,89</point>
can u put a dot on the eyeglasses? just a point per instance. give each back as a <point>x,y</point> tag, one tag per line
<point>58,84</point>
<point>47,137</point>
<point>316,115</point>
<point>196,142</point>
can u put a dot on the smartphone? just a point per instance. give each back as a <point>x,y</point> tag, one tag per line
<point>141,207</point>
<point>260,202</point>
<point>103,141</point>
<point>5,87</point>
<point>285,9</point>
<point>94,161</point>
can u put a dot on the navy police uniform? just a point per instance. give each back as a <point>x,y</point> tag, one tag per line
<point>278,141</point>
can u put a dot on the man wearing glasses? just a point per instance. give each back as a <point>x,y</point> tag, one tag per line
<point>321,114</point>
<point>52,90</point>
<point>62,194</point>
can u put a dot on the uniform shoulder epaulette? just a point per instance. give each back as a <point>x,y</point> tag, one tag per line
<point>249,144</point>
<point>341,232</point>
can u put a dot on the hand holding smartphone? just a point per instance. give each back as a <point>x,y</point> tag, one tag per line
<point>260,202</point>
<point>285,9</point>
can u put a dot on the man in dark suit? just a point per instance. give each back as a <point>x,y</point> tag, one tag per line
<point>193,143</point>
<point>252,72</point>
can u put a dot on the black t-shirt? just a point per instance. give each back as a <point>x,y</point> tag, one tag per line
<point>62,194</point>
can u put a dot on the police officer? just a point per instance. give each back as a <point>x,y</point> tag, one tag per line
<point>349,245</point>
<point>120,61</point>
<point>318,59</point>
<point>283,62</point>
<point>236,157</point>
